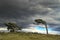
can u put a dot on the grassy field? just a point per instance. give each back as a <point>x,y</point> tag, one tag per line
<point>27,36</point>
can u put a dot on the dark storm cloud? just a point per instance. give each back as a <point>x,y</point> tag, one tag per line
<point>57,28</point>
<point>22,11</point>
<point>12,9</point>
<point>17,7</point>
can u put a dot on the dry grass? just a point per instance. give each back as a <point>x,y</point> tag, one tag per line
<point>27,36</point>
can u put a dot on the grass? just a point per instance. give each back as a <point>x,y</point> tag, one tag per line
<point>27,36</point>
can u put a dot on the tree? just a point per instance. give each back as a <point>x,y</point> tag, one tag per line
<point>38,21</point>
<point>12,27</point>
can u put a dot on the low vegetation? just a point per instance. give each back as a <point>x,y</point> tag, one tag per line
<point>27,36</point>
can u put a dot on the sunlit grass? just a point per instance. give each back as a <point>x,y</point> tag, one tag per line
<point>27,36</point>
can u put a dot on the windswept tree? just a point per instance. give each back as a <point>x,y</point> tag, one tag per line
<point>12,27</point>
<point>38,21</point>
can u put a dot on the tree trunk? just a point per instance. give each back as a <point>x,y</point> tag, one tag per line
<point>46,28</point>
<point>14,30</point>
<point>11,30</point>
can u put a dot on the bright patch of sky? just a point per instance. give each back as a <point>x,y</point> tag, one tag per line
<point>42,28</point>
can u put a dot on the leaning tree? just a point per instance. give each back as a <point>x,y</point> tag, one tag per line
<point>38,21</point>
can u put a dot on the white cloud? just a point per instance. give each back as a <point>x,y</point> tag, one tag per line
<point>34,30</point>
<point>5,28</point>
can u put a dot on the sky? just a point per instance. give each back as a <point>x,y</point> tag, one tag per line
<point>24,12</point>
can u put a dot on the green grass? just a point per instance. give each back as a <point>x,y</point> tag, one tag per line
<point>27,36</point>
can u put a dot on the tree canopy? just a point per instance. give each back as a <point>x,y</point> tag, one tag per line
<point>12,26</point>
<point>40,21</point>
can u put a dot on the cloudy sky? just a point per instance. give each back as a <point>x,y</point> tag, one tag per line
<point>24,12</point>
